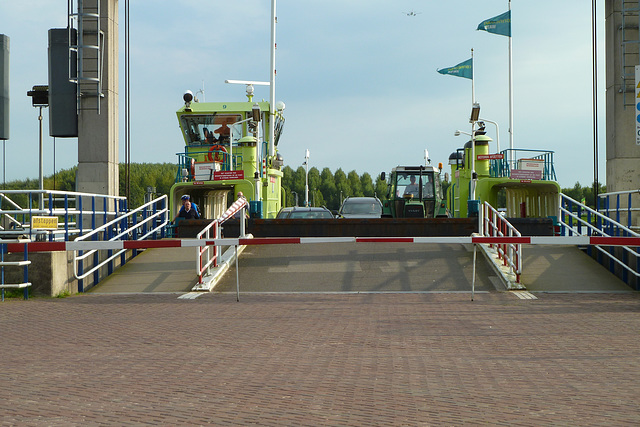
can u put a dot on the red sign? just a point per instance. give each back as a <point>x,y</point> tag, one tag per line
<point>490,156</point>
<point>223,175</point>
<point>198,182</point>
<point>525,174</point>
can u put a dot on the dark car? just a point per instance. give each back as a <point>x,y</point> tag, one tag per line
<point>361,207</point>
<point>284,212</point>
<point>305,213</point>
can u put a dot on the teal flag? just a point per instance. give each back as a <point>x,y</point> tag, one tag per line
<point>463,69</point>
<point>500,24</point>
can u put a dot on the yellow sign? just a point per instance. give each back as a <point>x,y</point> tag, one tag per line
<point>44,223</point>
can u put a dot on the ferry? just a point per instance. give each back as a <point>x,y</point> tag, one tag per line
<point>226,152</point>
<point>520,182</point>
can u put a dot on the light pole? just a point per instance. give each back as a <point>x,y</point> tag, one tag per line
<point>497,132</point>
<point>475,113</point>
<point>40,98</point>
<point>306,179</point>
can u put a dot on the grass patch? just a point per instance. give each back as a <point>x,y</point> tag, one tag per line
<point>14,293</point>
<point>64,294</point>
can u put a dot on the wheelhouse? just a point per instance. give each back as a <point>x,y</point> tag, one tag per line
<point>226,152</point>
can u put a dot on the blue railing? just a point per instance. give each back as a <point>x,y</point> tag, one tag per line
<point>146,222</point>
<point>81,216</point>
<point>579,219</point>
<point>77,213</point>
<point>25,284</point>
<point>512,158</point>
<point>187,165</point>
<point>618,205</point>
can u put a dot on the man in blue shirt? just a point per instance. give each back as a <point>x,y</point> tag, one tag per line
<point>185,198</point>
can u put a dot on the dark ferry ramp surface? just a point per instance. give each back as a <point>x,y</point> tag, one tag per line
<point>358,268</point>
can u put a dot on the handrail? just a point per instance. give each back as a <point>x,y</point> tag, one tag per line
<point>131,213</point>
<point>63,193</point>
<point>502,167</point>
<point>495,225</point>
<point>202,250</point>
<point>24,264</point>
<point>102,207</point>
<point>238,206</point>
<point>230,162</point>
<point>618,210</point>
<point>593,230</point>
<point>597,214</point>
<point>107,228</point>
<point>614,193</point>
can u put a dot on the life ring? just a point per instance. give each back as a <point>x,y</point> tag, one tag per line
<point>216,153</point>
<point>193,168</point>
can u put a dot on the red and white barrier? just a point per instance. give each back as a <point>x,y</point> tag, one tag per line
<point>178,243</point>
<point>235,207</point>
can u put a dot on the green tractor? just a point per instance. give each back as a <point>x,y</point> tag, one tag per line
<point>414,192</point>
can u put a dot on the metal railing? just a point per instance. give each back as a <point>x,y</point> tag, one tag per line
<point>208,255</point>
<point>579,219</point>
<point>500,168</point>
<point>187,165</point>
<point>495,225</point>
<point>77,212</point>
<point>148,220</point>
<point>25,284</point>
<point>612,205</point>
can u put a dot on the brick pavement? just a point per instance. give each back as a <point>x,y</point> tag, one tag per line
<point>368,359</point>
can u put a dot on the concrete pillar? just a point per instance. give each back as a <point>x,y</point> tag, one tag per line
<point>98,132</point>
<point>623,154</point>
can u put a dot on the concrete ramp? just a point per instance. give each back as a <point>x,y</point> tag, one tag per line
<point>154,270</point>
<point>566,269</point>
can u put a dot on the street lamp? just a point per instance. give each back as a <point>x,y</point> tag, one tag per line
<point>40,98</point>
<point>475,113</point>
<point>306,179</point>
<point>459,132</point>
<point>497,132</point>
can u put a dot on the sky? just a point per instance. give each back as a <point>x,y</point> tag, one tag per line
<point>358,78</point>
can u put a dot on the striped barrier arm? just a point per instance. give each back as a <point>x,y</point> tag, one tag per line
<point>148,244</point>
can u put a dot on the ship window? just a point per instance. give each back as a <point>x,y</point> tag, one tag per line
<point>208,129</point>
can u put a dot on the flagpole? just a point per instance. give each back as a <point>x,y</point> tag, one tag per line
<point>473,133</point>
<point>510,90</point>
<point>473,88</point>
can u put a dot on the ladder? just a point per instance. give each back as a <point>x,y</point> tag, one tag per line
<point>629,50</point>
<point>86,49</point>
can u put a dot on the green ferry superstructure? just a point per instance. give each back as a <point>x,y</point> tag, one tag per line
<point>226,152</point>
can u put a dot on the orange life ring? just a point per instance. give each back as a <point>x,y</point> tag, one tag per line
<point>216,153</point>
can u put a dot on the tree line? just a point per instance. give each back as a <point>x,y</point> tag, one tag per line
<point>326,188</point>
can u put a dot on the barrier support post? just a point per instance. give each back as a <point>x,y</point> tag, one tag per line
<point>473,279</point>
<point>237,275</point>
